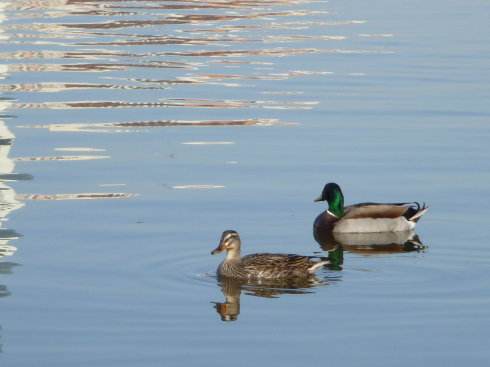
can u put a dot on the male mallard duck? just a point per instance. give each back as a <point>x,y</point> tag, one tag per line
<point>365,217</point>
<point>262,266</point>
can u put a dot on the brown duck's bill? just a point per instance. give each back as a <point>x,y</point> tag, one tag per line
<point>217,250</point>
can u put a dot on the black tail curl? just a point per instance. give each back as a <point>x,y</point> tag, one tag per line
<point>413,209</point>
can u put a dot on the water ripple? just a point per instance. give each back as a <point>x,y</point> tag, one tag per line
<point>181,102</point>
<point>95,61</point>
<point>124,126</point>
<point>121,53</point>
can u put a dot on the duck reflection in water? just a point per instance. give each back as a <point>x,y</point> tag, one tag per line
<point>369,243</point>
<point>232,290</point>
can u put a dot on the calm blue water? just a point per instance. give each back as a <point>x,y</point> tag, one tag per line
<point>182,119</point>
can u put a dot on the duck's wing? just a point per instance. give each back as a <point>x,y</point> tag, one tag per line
<point>411,211</point>
<point>279,263</point>
<point>265,259</point>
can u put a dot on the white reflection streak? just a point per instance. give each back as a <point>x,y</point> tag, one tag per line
<point>77,196</point>
<point>208,143</point>
<point>112,184</point>
<point>8,201</point>
<point>131,126</point>
<point>197,187</point>
<point>63,158</point>
<point>79,149</point>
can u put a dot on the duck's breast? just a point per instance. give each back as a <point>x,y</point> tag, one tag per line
<point>324,221</point>
<point>230,269</point>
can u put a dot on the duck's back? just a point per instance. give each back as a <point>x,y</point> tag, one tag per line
<point>375,210</point>
<point>274,266</point>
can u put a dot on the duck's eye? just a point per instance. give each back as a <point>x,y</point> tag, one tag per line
<point>229,238</point>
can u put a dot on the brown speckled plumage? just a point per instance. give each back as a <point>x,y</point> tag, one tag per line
<point>265,265</point>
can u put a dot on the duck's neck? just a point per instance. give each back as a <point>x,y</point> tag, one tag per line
<point>336,205</point>
<point>232,255</point>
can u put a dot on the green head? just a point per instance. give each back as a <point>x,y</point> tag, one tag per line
<point>332,194</point>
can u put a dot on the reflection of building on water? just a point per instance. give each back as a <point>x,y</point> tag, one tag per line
<point>77,196</point>
<point>369,243</point>
<point>8,200</point>
<point>6,268</point>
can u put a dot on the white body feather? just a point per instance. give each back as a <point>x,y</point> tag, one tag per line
<point>317,266</point>
<point>378,238</point>
<point>373,225</point>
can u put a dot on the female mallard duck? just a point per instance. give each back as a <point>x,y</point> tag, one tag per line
<point>262,266</point>
<point>365,217</point>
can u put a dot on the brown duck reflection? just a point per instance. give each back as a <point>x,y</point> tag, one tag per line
<point>369,243</point>
<point>232,290</point>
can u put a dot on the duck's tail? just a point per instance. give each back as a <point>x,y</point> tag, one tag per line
<point>312,269</point>
<point>415,212</point>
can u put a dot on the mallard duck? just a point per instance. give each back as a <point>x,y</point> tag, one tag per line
<point>365,217</point>
<point>262,266</point>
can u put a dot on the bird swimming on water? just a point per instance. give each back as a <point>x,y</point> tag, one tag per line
<point>365,217</point>
<point>264,265</point>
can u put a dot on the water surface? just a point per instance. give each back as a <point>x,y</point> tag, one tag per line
<point>132,133</point>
